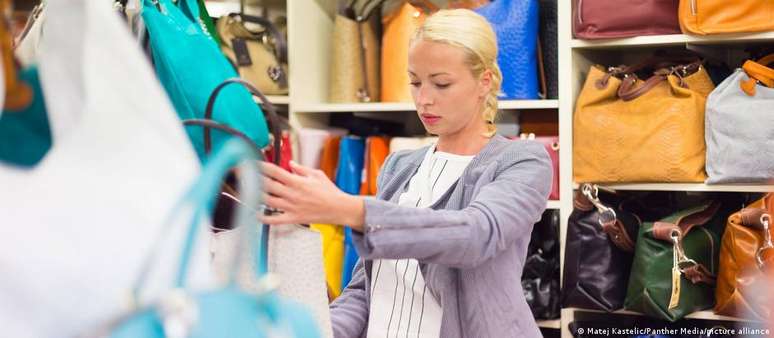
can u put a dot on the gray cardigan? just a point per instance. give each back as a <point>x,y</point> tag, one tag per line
<point>471,244</point>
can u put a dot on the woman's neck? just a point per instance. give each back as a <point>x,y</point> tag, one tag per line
<point>461,144</point>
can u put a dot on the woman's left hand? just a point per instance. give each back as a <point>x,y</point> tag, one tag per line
<point>307,196</point>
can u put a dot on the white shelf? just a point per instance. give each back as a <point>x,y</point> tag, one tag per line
<point>279,99</point>
<point>409,106</point>
<point>672,40</point>
<point>703,315</point>
<point>554,205</point>
<point>690,187</point>
<point>550,324</point>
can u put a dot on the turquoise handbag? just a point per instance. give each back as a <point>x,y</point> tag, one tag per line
<point>25,135</point>
<point>228,311</point>
<point>190,66</point>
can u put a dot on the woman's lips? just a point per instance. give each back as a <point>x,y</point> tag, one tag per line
<point>430,119</point>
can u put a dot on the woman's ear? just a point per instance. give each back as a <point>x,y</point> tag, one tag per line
<point>485,83</point>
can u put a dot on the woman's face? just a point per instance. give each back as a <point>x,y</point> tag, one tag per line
<point>449,99</point>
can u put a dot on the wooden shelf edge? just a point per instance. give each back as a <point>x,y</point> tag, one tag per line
<point>673,39</point>
<point>550,324</point>
<point>703,315</point>
<point>554,204</point>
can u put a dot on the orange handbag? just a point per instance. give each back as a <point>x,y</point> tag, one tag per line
<point>627,130</point>
<point>377,149</point>
<point>18,94</point>
<point>746,253</point>
<point>329,159</point>
<point>722,16</point>
<point>398,28</point>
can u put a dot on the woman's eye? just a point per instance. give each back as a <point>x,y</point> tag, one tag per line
<point>443,85</point>
<point>415,84</point>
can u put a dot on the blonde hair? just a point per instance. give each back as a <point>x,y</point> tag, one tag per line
<point>473,33</point>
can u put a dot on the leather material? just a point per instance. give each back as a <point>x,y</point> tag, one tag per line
<point>658,136</point>
<point>176,42</point>
<point>333,256</point>
<point>549,44</point>
<point>18,94</point>
<point>515,23</point>
<point>596,270</point>
<point>540,279</point>
<point>603,19</point>
<point>266,70</point>
<point>348,176</point>
<point>353,43</point>
<point>329,159</point>
<point>397,30</point>
<point>740,273</point>
<point>717,16</point>
<point>376,151</point>
<point>286,151</point>
<point>650,284</point>
<point>734,156</point>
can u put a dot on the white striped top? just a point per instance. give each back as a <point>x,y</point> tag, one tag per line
<point>401,305</point>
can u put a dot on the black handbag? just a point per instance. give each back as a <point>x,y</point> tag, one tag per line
<point>549,45</point>
<point>600,245</point>
<point>540,279</point>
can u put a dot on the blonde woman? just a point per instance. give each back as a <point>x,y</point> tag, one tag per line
<point>443,244</point>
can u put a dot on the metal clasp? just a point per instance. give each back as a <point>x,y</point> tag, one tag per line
<point>767,244</point>
<point>606,214</point>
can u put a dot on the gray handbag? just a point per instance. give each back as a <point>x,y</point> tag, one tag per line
<point>739,127</point>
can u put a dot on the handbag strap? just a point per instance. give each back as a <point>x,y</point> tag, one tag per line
<point>758,73</point>
<point>197,201</point>
<point>675,232</point>
<point>627,91</point>
<point>615,230</point>
<point>281,46</point>
<point>269,110</point>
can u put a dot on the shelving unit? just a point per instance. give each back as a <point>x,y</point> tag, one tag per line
<point>575,58</point>
<point>550,324</point>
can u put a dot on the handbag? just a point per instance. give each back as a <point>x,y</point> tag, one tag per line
<point>398,28</point>
<point>601,19</point>
<point>549,47</point>
<point>242,313</point>
<point>746,157</point>
<point>551,143</point>
<point>675,264</point>
<point>90,208</point>
<point>515,23</point>
<point>601,234</point>
<point>311,144</point>
<point>376,150</point>
<point>348,177</point>
<point>176,40</point>
<point>17,94</point>
<point>25,135</point>
<point>626,130</point>
<point>718,17</point>
<point>540,279</point>
<point>746,253</point>
<point>259,55</point>
<point>355,62</point>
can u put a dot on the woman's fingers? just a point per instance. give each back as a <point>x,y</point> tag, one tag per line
<point>301,170</point>
<point>278,174</point>
<point>277,202</point>
<point>275,188</point>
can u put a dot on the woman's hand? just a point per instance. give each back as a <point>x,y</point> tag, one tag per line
<point>307,196</point>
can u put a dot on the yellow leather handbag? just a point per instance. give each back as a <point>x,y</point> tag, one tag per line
<point>704,17</point>
<point>628,130</point>
<point>397,30</point>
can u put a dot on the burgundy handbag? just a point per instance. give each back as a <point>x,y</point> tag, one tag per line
<point>551,143</point>
<point>604,19</point>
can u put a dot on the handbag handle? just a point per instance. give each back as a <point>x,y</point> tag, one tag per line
<point>281,50</point>
<point>608,219</point>
<point>675,232</point>
<point>269,110</point>
<point>627,91</point>
<point>759,219</point>
<point>197,200</point>
<point>758,73</point>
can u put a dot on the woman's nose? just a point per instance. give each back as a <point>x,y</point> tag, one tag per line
<point>423,96</point>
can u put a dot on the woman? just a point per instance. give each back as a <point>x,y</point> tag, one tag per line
<point>443,245</point>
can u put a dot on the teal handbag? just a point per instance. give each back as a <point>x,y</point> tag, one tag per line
<point>190,66</point>
<point>25,135</point>
<point>228,311</point>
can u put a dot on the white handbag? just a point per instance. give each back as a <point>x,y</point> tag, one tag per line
<point>738,129</point>
<point>75,229</point>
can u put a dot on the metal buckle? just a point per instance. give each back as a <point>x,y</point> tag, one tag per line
<point>606,214</point>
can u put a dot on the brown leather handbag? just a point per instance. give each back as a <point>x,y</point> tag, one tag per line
<point>628,130</point>
<point>719,16</point>
<point>604,19</point>
<point>745,255</point>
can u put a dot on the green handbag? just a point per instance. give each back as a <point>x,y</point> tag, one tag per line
<point>675,263</point>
